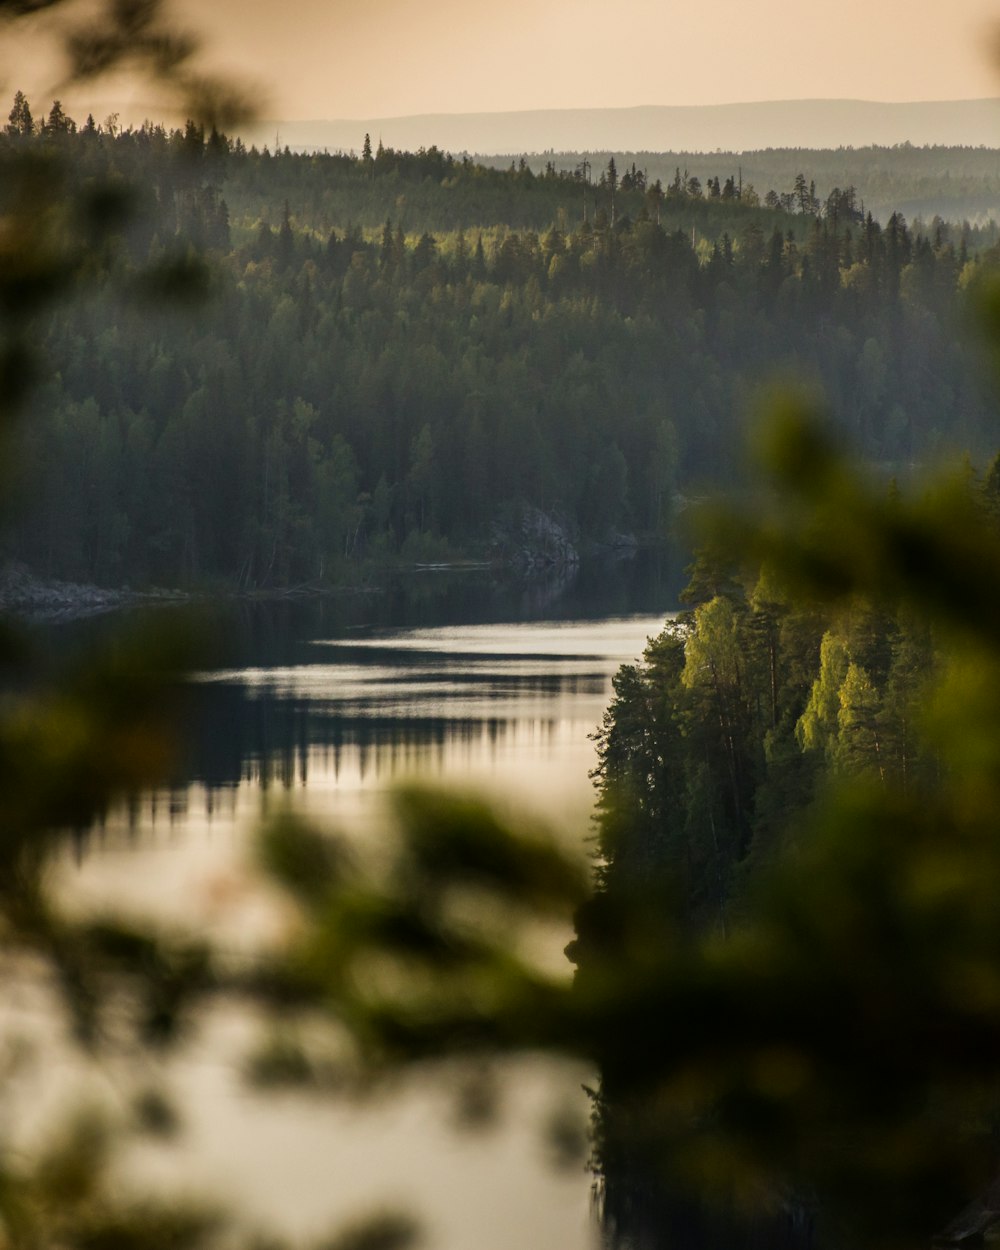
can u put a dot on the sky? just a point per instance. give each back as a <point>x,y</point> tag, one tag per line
<point>383,58</point>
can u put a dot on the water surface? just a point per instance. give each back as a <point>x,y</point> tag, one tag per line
<point>330,712</point>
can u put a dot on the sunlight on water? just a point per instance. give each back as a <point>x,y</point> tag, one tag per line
<point>613,639</point>
<point>505,709</point>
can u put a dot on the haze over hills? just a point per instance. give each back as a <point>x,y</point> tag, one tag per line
<point>658,128</point>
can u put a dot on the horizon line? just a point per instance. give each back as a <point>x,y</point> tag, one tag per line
<point>633,108</point>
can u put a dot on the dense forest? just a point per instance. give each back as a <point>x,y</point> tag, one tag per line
<point>499,340</point>
<point>362,391</point>
<point>954,183</point>
<point>739,711</point>
<point>718,749</point>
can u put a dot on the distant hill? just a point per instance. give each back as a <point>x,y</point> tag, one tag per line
<point>955,183</point>
<point>694,128</point>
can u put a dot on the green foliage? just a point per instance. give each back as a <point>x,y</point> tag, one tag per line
<point>954,183</point>
<point>822,1036</point>
<point>788,977</point>
<point>379,393</point>
<point>788,974</point>
<point>64,1200</point>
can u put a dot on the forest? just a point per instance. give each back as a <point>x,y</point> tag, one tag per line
<point>921,182</point>
<point>403,351</point>
<point>801,997</point>
<point>799,759</point>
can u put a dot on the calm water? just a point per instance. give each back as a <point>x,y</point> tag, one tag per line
<point>328,705</point>
<point>508,708</point>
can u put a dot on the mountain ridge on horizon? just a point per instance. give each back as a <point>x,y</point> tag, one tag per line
<point>790,101</point>
<point>753,125</point>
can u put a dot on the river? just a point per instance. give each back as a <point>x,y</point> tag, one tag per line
<point>328,704</point>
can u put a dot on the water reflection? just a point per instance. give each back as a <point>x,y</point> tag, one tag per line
<point>506,710</point>
<point>335,714</point>
<point>470,703</point>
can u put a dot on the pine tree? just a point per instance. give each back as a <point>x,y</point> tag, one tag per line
<point>20,123</point>
<point>57,122</point>
<point>286,239</point>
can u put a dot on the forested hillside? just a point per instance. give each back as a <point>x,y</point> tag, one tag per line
<point>753,712</point>
<point>955,183</point>
<point>356,392</point>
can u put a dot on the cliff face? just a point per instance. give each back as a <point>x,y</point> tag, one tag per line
<point>533,539</point>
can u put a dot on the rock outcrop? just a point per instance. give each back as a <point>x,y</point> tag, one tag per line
<point>533,539</point>
<point>36,598</point>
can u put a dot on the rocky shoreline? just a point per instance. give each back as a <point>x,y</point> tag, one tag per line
<point>527,545</point>
<point>25,595</point>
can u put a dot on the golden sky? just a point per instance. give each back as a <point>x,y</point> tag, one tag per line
<point>370,58</point>
<point>383,58</point>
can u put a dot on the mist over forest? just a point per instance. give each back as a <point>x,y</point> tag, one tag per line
<point>957,183</point>
<point>810,123</point>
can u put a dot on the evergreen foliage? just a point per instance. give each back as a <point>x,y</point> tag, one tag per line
<point>798,710</point>
<point>954,183</point>
<point>366,392</point>
<point>789,975</point>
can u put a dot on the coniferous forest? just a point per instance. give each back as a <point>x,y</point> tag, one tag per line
<point>404,350</point>
<point>785,771</point>
<point>792,940</point>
